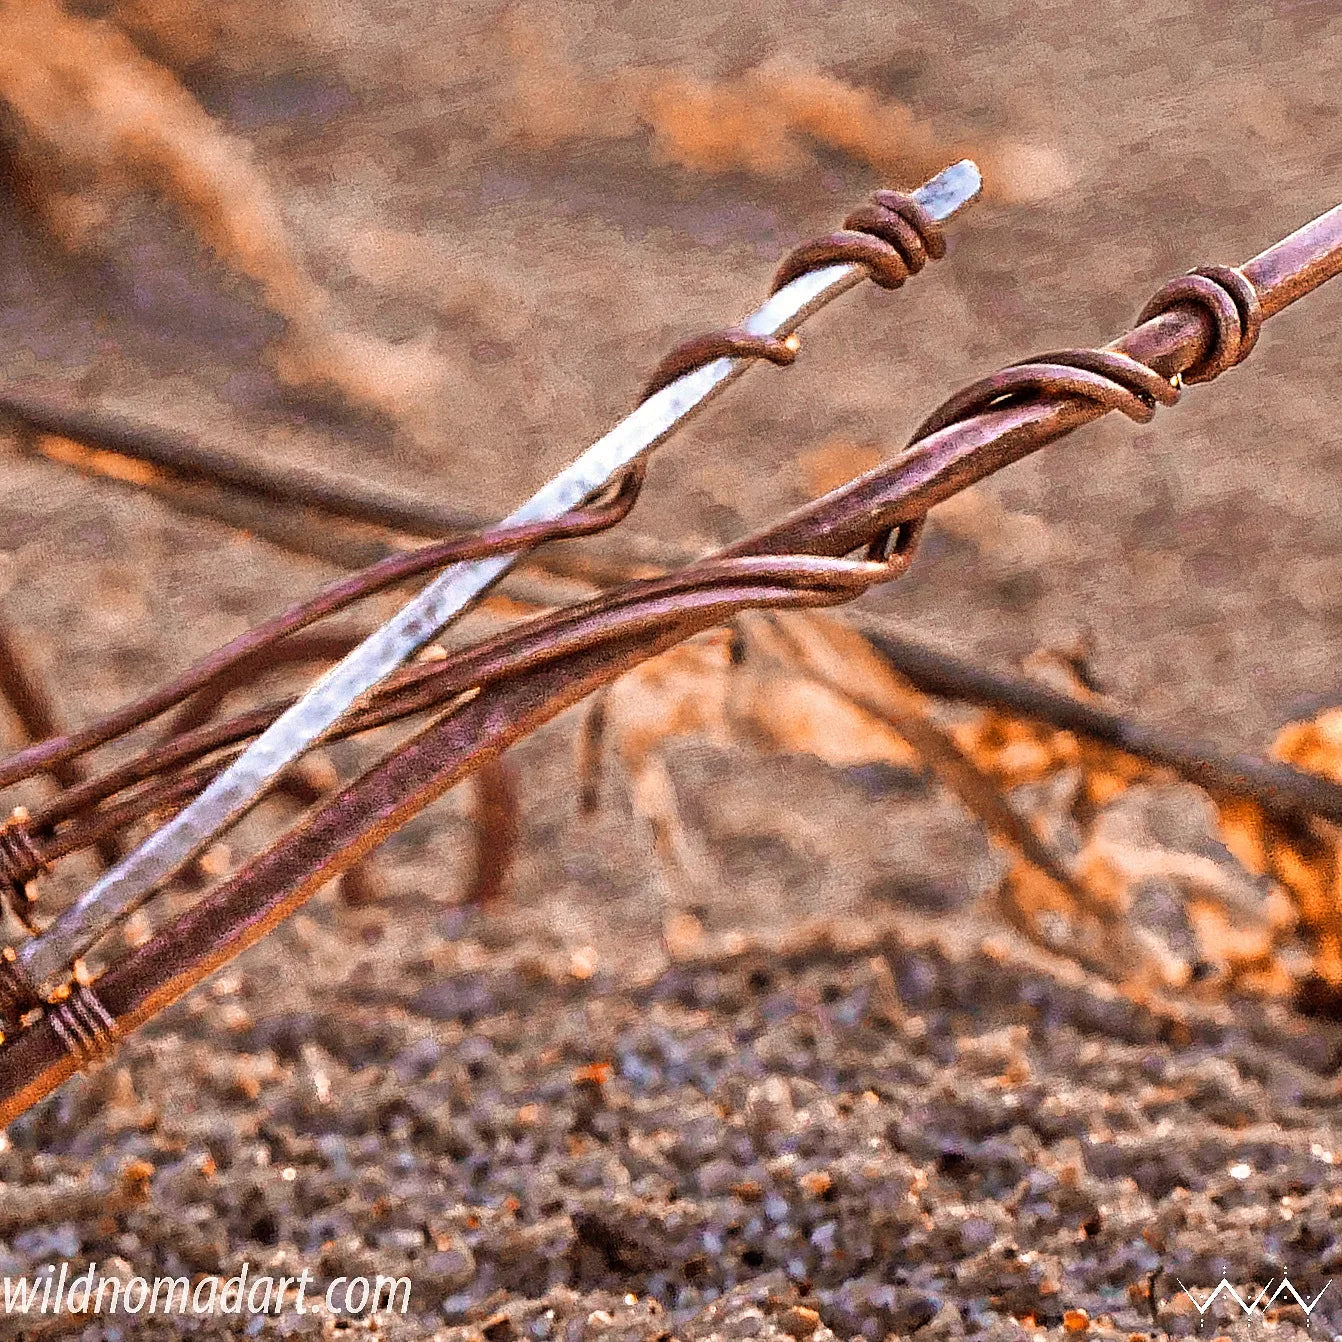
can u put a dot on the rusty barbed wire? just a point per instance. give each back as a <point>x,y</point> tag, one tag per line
<point>502,688</point>
<point>893,237</point>
<point>616,461</point>
<point>890,238</point>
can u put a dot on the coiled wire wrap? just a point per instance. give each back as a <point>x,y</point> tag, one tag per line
<point>891,237</point>
<point>85,1026</point>
<point>1229,298</point>
<point>1108,377</point>
<point>20,862</point>
<point>1116,381</point>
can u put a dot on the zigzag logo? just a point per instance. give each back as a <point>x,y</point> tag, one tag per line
<point>1261,1301</point>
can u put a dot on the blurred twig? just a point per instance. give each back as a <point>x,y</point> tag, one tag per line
<point>33,706</point>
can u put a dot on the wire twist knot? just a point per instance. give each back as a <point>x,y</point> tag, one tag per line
<point>891,237</point>
<point>1228,297</point>
<point>1107,377</point>
<point>20,861</point>
<point>84,1026</point>
<point>1113,380</point>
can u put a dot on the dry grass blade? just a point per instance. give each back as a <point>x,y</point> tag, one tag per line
<point>87,119</point>
<point>33,706</point>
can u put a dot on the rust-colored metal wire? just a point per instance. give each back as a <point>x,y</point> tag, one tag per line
<point>552,575</point>
<point>490,694</point>
<point>891,237</point>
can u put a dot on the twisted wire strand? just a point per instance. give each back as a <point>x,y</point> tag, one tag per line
<point>24,855</point>
<point>336,597</point>
<point>891,237</point>
<point>1107,378</point>
<point>173,775</point>
<point>1112,379</point>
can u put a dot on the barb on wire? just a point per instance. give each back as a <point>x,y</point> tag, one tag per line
<point>890,240</point>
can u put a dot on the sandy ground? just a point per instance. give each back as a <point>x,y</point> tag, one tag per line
<point>897,1134</point>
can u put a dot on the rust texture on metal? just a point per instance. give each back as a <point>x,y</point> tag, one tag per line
<point>484,697</point>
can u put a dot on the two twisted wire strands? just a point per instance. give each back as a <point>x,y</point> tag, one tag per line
<point>1115,381</point>
<point>1108,378</point>
<point>255,898</point>
<point>653,620</point>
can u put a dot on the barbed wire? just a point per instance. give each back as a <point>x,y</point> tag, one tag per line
<point>490,694</point>
<point>889,240</point>
<point>549,577</point>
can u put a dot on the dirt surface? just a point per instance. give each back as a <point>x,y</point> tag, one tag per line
<point>897,1133</point>
<point>856,1120</point>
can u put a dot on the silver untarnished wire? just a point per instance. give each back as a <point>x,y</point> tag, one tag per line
<point>85,1027</point>
<point>44,961</point>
